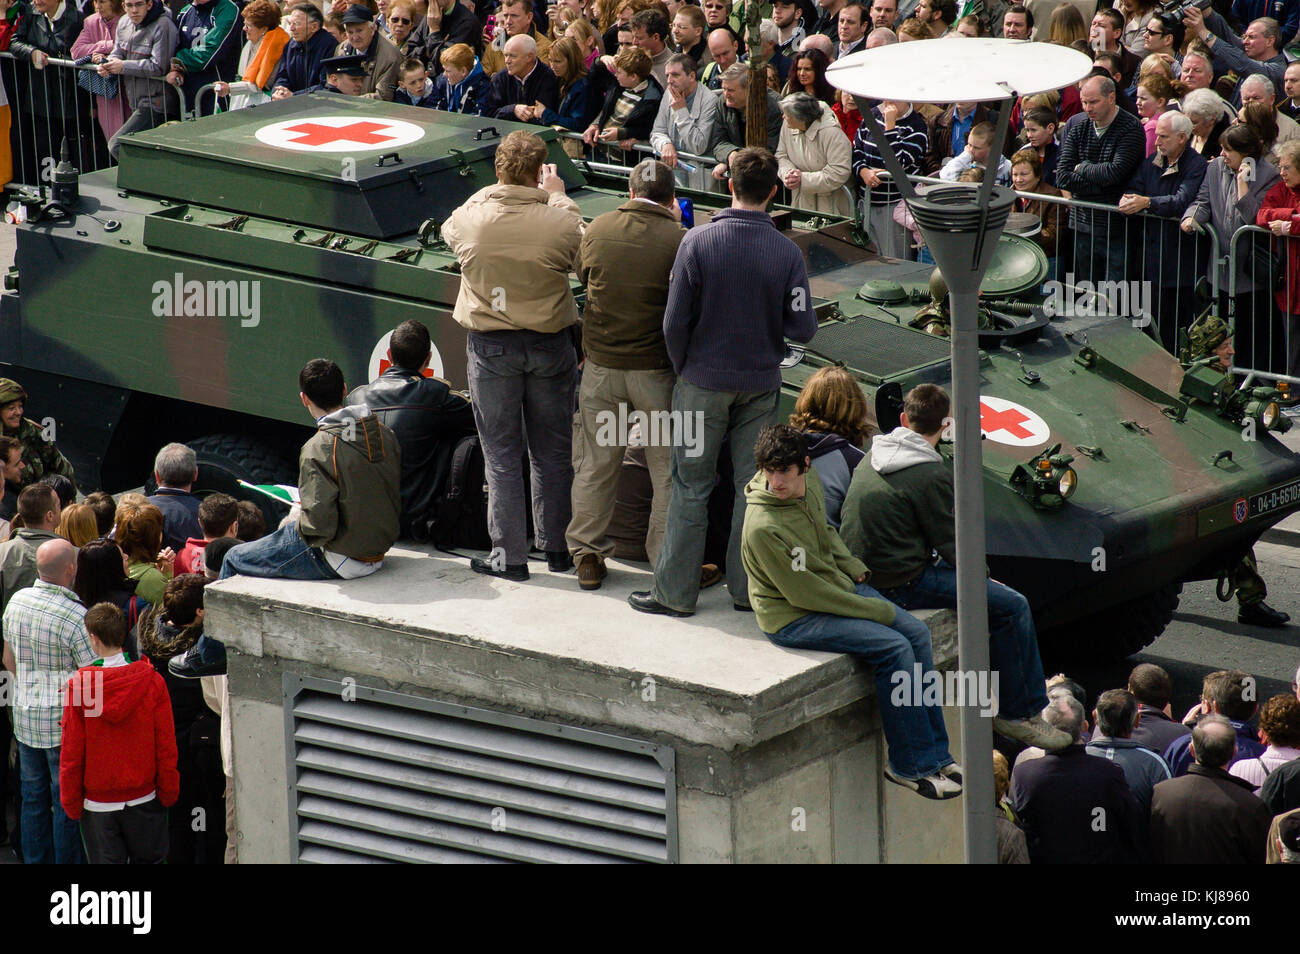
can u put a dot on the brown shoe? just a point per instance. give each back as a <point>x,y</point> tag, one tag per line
<point>709,575</point>
<point>591,570</point>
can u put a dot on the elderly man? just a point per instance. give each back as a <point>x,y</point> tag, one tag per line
<point>1164,186</point>
<point>790,26</point>
<point>1258,88</point>
<point>884,14</point>
<point>1208,816</point>
<point>881,36</point>
<point>1260,49</point>
<point>525,81</point>
<point>650,32</point>
<point>175,470</point>
<point>735,101</point>
<point>517,242</point>
<point>382,59</point>
<point>852,29</point>
<point>1057,798</point>
<point>725,52</point>
<point>309,46</point>
<point>1101,148</point>
<point>690,120</point>
<point>816,41</point>
<point>1017,23</point>
<point>515,17</point>
<point>44,643</point>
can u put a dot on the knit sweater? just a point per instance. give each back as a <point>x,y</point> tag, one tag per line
<point>1097,168</point>
<point>738,289</point>
<point>910,140</point>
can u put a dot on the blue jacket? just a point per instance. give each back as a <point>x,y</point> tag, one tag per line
<point>468,96</point>
<point>300,65</point>
<point>835,460</point>
<point>575,112</point>
<point>403,98</point>
<point>1179,756</point>
<point>180,512</point>
<point>1169,254</point>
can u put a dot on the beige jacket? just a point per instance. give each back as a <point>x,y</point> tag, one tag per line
<point>517,246</point>
<point>824,156</point>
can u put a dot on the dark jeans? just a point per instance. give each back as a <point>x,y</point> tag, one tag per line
<point>917,737</point>
<point>522,385</point>
<point>1100,253</point>
<point>714,415</point>
<point>136,834</point>
<point>1013,640</point>
<point>49,835</point>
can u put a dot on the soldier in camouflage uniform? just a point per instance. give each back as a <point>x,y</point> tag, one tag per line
<point>936,317</point>
<point>40,456</point>
<point>1211,335</point>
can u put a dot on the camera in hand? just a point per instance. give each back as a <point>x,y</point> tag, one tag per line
<point>1178,8</point>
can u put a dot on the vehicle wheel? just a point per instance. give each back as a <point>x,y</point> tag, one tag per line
<point>1116,632</point>
<point>226,459</point>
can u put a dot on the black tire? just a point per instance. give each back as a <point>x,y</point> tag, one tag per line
<point>226,459</point>
<point>1116,632</point>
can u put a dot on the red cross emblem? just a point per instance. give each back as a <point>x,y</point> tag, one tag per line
<point>314,134</point>
<point>1008,420</point>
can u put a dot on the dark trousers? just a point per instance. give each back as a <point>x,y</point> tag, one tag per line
<point>522,386</point>
<point>1100,253</point>
<point>135,835</point>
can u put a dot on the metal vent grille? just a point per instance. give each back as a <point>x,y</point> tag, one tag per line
<point>383,777</point>
<point>878,348</point>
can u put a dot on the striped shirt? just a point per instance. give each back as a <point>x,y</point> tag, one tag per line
<point>44,626</point>
<point>1256,770</point>
<point>910,140</point>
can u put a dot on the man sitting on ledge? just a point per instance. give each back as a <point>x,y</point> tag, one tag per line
<point>349,476</point>
<point>808,592</point>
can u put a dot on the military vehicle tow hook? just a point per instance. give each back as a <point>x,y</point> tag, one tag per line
<point>1135,426</point>
<point>1221,455</point>
<point>1092,453</point>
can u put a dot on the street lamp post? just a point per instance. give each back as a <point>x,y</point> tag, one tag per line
<point>961,226</point>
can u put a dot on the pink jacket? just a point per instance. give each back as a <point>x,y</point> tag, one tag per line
<point>97,37</point>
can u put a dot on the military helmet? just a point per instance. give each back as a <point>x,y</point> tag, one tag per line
<point>1206,335</point>
<point>938,287</point>
<point>10,391</point>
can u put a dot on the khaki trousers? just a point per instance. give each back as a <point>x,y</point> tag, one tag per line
<point>607,399</point>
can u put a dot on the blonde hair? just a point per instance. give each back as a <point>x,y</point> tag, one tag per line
<point>77,525</point>
<point>832,403</point>
<point>519,158</point>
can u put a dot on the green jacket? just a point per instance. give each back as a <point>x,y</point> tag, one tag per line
<point>40,456</point>
<point>898,509</point>
<point>797,564</point>
<point>349,482</point>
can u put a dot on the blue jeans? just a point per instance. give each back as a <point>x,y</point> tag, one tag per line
<point>917,737</point>
<point>1013,640</point>
<point>1100,253</point>
<point>282,555</point>
<point>49,835</point>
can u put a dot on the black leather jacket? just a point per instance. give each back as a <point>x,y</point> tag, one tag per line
<point>428,418</point>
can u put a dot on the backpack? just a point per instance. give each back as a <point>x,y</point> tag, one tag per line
<point>460,511</point>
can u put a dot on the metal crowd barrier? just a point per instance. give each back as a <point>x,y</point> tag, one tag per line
<point>1261,302</point>
<point>46,107</point>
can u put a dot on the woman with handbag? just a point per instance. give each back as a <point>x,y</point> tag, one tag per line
<point>96,42</point>
<point>1280,214</point>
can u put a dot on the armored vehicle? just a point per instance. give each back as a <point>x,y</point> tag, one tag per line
<point>1112,475</point>
<point>176,297</point>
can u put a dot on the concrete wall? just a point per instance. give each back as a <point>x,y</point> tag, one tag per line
<point>778,754</point>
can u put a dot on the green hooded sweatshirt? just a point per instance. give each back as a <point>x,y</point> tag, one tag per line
<point>797,563</point>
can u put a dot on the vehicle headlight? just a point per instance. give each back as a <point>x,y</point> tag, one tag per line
<point>1269,415</point>
<point>1069,480</point>
<point>1048,480</point>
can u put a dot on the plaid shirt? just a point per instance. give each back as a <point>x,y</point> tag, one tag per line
<point>44,626</point>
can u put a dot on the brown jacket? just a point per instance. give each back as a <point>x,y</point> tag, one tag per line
<point>941,137</point>
<point>625,260</point>
<point>1054,217</point>
<point>516,246</point>
<point>381,70</point>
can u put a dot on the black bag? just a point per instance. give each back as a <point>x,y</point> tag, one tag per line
<point>460,513</point>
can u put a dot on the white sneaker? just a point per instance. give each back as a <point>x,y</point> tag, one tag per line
<point>937,787</point>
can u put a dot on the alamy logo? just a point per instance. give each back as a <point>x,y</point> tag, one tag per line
<point>77,907</point>
<point>1108,299</point>
<point>195,299</point>
<point>683,429</point>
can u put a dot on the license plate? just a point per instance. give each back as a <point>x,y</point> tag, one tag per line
<point>1278,497</point>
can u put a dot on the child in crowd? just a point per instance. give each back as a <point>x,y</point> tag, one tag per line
<point>414,88</point>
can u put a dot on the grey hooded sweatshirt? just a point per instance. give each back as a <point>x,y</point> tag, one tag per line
<point>898,511</point>
<point>146,51</point>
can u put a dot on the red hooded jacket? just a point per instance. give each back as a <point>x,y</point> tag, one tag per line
<point>119,742</point>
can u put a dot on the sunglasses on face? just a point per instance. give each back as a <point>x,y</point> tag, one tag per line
<point>398,20</point>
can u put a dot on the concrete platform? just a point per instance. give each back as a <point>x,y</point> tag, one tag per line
<point>758,732</point>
